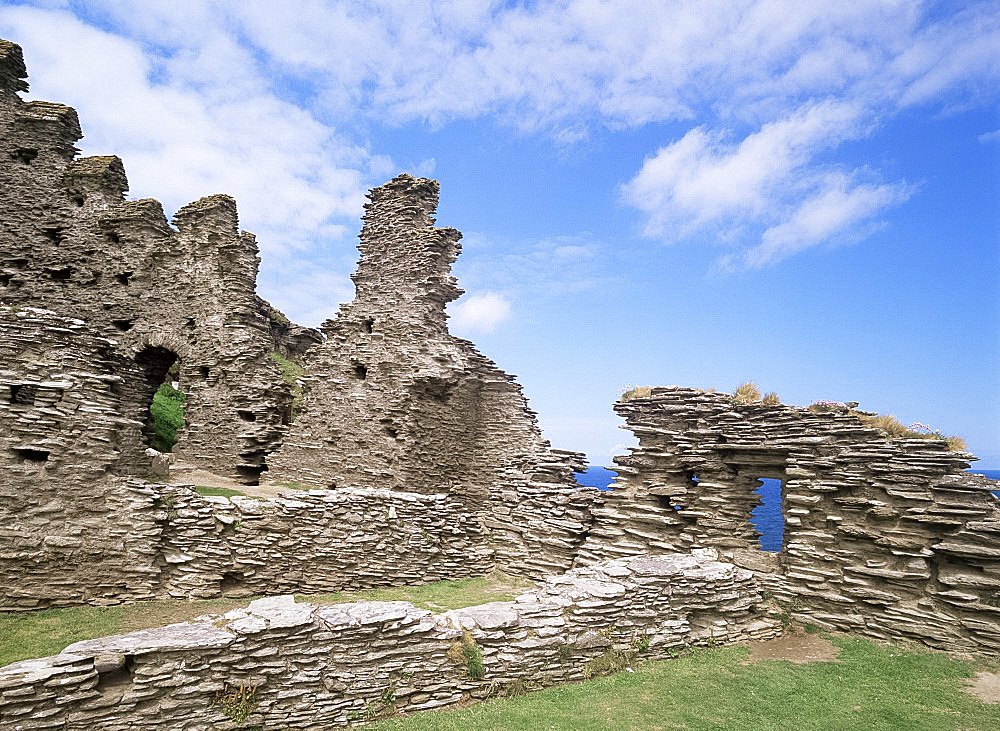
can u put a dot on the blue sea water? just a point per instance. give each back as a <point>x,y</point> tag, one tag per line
<point>767,517</point>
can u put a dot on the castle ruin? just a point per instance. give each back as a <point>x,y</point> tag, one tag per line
<point>418,459</point>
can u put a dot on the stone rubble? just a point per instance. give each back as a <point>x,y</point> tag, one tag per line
<point>333,666</point>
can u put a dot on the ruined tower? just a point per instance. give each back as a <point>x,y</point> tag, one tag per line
<point>392,399</point>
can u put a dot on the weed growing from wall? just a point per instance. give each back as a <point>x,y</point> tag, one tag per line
<point>466,652</point>
<point>612,661</point>
<point>291,373</point>
<point>237,703</point>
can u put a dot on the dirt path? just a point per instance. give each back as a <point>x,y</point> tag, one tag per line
<point>986,687</point>
<point>796,646</point>
<point>182,473</point>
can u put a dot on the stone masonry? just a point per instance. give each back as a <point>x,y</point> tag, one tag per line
<point>71,243</point>
<point>886,537</point>
<point>307,667</point>
<point>392,399</point>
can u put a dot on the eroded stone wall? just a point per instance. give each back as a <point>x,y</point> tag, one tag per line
<point>392,399</point>
<point>141,541</point>
<point>324,667</point>
<point>71,243</point>
<point>887,537</point>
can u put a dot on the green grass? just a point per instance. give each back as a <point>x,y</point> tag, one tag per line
<point>295,486</point>
<point>438,596</point>
<point>25,635</point>
<point>873,687</point>
<point>218,491</point>
<point>168,416</point>
<point>291,373</point>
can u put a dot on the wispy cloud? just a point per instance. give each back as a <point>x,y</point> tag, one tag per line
<point>276,106</point>
<point>555,267</point>
<point>767,187</point>
<point>476,314</point>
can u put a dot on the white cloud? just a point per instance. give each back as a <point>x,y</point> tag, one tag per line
<point>701,180</point>
<point>269,104</point>
<point>840,211</point>
<point>556,267</point>
<point>767,187</point>
<point>479,313</point>
<point>989,137</point>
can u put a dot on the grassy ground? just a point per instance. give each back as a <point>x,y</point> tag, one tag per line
<point>25,635</point>
<point>872,687</point>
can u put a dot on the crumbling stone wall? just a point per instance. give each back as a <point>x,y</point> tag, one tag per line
<point>62,435</point>
<point>70,243</point>
<point>889,538</point>
<point>392,399</point>
<point>334,666</point>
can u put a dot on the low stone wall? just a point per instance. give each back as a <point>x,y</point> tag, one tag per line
<point>278,664</point>
<point>168,540</point>
<point>315,541</point>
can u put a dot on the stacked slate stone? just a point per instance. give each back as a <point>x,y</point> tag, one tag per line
<point>71,243</point>
<point>887,537</point>
<point>314,541</point>
<point>539,531</point>
<point>278,664</point>
<point>66,531</point>
<point>392,399</point>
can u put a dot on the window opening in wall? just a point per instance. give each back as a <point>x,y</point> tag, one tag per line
<point>60,275</point>
<point>166,402</point>
<point>203,371</point>
<point>78,199</point>
<point>55,234</point>
<point>246,415</point>
<point>768,518</point>
<point>5,279</point>
<point>24,154</point>
<point>124,277</point>
<point>31,455</point>
<point>122,325</point>
<point>368,324</point>
<point>23,394</point>
<point>360,371</point>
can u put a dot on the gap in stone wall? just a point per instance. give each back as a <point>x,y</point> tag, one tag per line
<point>768,518</point>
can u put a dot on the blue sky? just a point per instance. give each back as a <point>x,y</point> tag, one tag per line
<point>806,195</point>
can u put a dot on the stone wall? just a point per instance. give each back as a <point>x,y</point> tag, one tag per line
<point>71,243</point>
<point>392,399</point>
<point>62,436</point>
<point>886,537</point>
<point>146,541</point>
<point>323,667</point>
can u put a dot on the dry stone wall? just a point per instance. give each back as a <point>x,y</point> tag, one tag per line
<point>71,243</point>
<point>143,541</point>
<point>392,399</point>
<point>887,537</point>
<point>306,667</point>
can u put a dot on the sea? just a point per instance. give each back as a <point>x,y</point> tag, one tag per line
<point>766,517</point>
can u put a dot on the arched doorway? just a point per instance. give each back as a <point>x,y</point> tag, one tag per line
<point>163,412</point>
